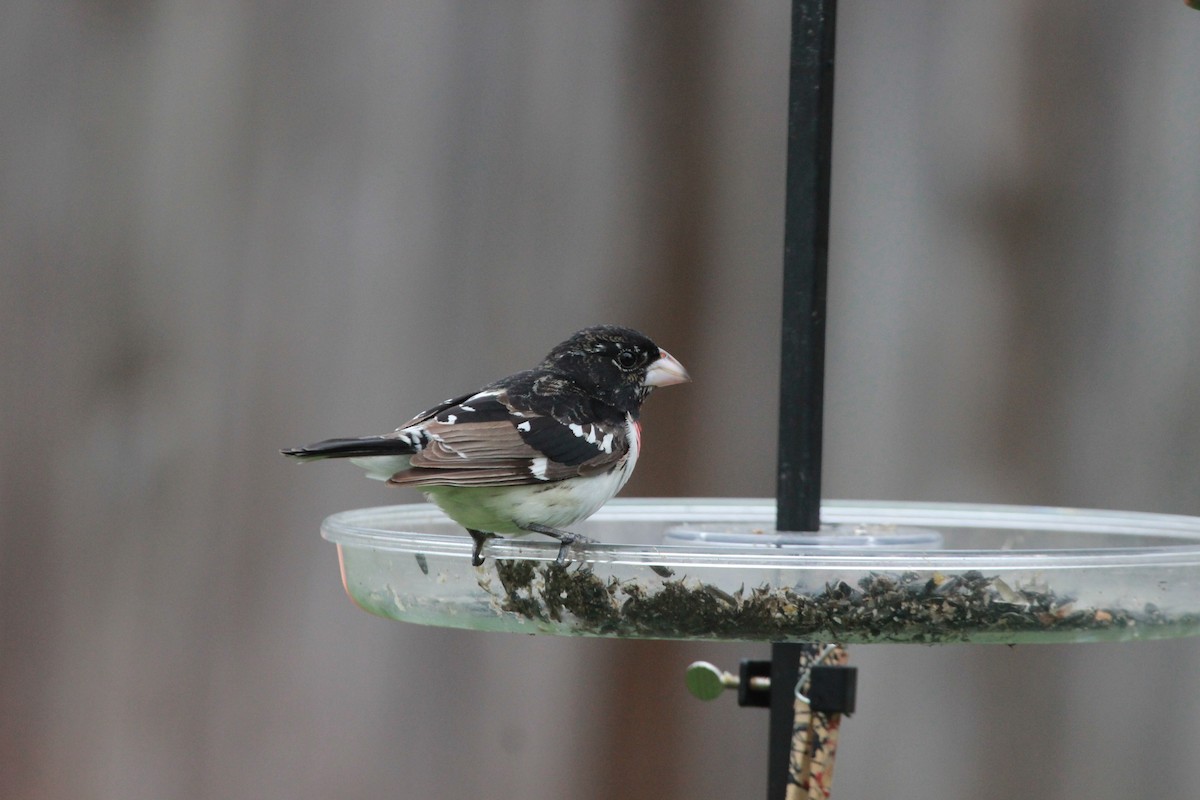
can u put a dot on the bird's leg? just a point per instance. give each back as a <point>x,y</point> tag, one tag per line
<point>480,537</point>
<point>565,539</point>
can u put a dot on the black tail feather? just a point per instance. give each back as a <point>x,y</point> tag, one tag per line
<point>352,448</point>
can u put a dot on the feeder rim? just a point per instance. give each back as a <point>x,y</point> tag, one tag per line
<point>381,528</point>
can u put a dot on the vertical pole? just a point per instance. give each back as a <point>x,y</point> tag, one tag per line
<point>805,256</point>
<point>802,365</point>
<point>785,671</point>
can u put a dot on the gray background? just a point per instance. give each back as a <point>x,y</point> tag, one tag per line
<point>227,227</point>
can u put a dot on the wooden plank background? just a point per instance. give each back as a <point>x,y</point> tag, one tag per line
<point>229,227</point>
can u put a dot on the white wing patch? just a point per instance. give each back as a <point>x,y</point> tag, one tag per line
<point>525,426</point>
<point>538,467</point>
<point>578,431</point>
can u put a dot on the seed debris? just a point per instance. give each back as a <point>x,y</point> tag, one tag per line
<point>908,607</point>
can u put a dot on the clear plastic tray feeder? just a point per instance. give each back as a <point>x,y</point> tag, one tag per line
<point>720,570</point>
<point>711,569</point>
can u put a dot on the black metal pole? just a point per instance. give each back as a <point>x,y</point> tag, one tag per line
<point>805,256</point>
<point>802,373</point>
<point>785,671</point>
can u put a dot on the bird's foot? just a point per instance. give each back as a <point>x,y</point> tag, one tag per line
<point>480,538</point>
<point>565,539</point>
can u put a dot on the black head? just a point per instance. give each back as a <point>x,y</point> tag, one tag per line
<point>617,366</point>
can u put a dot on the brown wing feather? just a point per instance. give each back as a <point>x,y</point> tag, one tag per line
<point>471,454</point>
<point>489,453</point>
<point>479,443</point>
<point>515,473</point>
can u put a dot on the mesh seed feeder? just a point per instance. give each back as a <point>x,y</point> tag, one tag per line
<point>800,574</point>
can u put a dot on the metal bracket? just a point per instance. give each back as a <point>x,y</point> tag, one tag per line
<point>832,689</point>
<point>754,693</point>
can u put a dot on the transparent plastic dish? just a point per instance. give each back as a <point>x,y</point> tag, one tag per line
<point>999,574</point>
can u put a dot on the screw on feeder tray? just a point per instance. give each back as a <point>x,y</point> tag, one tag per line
<point>706,682</point>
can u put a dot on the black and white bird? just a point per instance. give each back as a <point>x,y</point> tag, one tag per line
<point>531,453</point>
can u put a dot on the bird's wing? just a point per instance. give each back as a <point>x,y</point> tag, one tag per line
<point>489,439</point>
<point>429,413</point>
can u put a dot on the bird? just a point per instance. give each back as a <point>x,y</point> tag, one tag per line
<point>534,452</point>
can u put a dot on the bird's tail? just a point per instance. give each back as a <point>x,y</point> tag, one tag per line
<point>365,447</point>
<point>381,456</point>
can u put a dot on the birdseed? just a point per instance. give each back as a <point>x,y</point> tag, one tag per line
<point>899,607</point>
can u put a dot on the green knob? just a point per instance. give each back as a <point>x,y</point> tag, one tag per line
<point>706,682</point>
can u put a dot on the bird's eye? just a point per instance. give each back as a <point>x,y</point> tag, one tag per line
<point>627,359</point>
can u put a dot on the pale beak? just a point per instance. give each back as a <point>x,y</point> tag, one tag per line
<point>665,371</point>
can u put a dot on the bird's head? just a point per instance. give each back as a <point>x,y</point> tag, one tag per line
<point>617,366</point>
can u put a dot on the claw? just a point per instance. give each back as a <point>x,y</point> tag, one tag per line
<point>565,539</point>
<point>480,537</point>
